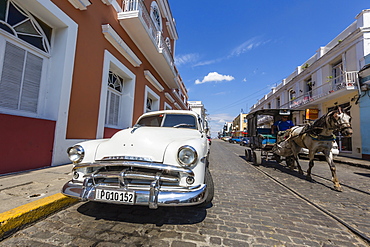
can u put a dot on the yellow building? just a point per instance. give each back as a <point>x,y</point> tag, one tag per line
<point>239,125</point>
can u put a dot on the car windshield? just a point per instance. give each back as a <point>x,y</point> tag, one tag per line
<point>153,121</point>
<point>169,120</point>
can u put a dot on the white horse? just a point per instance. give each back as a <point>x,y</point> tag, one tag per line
<point>319,137</point>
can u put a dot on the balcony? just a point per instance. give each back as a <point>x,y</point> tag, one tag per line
<point>334,87</point>
<point>136,21</point>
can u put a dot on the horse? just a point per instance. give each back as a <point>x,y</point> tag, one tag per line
<point>319,137</point>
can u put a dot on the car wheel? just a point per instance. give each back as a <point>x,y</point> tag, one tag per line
<point>210,188</point>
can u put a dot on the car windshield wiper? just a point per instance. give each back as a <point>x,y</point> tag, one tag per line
<point>136,126</point>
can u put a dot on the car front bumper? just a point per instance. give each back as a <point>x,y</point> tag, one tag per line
<point>153,196</point>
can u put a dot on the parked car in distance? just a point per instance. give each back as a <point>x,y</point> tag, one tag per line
<point>335,150</point>
<point>235,139</point>
<point>226,138</point>
<point>244,141</point>
<point>161,161</point>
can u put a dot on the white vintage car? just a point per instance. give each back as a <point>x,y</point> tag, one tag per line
<point>334,150</point>
<point>161,161</point>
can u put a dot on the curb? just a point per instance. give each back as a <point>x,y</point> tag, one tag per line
<point>14,219</point>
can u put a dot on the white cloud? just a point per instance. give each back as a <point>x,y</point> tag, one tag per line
<point>247,46</point>
<point>220,93</point>
<point>205,63</point>
<point>185,59</point>
<point>216,77</point>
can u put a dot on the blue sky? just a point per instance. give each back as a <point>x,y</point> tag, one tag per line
<point>231,53</point>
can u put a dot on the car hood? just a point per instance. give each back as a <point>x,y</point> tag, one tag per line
<point>148,143</point>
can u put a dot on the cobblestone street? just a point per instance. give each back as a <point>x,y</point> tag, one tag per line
<point>249,209</point>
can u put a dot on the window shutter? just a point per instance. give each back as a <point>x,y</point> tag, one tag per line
<point>114,108</point>
<point>113,102</point>
<point>20,79</point>
<point>31,83</point>
<point>11,76</point>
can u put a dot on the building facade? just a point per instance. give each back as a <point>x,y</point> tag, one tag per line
<point>364,103</point>
<point>72,70</point>
<point>328,79</point>
<point>239,125</point>
<point>199,108</point>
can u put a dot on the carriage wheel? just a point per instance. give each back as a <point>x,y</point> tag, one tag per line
<point>248,154</point>
<point>256,158</point>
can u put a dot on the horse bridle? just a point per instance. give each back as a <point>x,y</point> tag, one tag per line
<point>338,126</point>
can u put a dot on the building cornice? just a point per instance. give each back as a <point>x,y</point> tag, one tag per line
<point>120,45</point>
<point>169,97</point>
<point>80,4</point>
<point>150,77</point>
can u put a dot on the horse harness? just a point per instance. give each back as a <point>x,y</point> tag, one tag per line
<point>314,130</point>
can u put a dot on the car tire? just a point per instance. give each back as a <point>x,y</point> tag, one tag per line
<point>208,180</point>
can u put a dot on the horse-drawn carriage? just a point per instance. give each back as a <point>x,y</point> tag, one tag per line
<point>262,140</point>
<point>316,137</point>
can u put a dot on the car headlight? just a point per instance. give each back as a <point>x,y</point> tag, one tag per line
<point>76,153</point>
<point>187,155</point>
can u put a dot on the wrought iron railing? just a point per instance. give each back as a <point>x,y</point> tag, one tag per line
<point>153,32</point>
<point>347,81</point>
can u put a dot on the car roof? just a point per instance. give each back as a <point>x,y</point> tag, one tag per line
<point>187,112</point>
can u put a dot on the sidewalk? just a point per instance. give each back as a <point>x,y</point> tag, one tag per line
<point>352,161</point>
<point>29,196</point>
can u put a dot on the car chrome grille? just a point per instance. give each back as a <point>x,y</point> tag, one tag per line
<point>125,176</point>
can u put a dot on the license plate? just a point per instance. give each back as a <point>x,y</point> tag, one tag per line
<point>115,196</point>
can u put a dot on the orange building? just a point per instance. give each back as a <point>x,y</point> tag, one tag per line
<point>72,70</point>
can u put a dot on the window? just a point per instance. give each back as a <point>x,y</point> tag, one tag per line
<point>20,79</point>
<point>21,66</point>
<point>151,100</point>
<point>292,95</point>
<point>149,103</point>
<point>169,120</point>
<point>114,95</point>
<point>167,106</point>
<point>117,95</point>
<point>156,15</point>
<point>308,87</point>
<point>337,74</point>
<point>151,121</point>
<point>180,121</point>
<point>24,25</point>
<point>278,103</point>
<point>168,43</point>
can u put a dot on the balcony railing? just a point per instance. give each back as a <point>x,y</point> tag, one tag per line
<point>345,81</point>
<point>156,35</point>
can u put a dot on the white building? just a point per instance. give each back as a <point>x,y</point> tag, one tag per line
<point>328,78</point>
<point>198,107</point>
